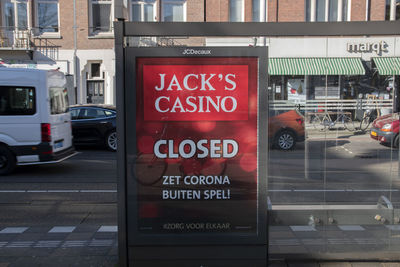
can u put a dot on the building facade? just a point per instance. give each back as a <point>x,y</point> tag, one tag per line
<point>75,37</point>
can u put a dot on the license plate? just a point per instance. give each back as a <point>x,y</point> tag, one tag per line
<point>58,144</point>
<point>374,133</point>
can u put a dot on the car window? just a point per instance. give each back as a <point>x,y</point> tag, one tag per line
<point>15,100</point>
<point>74,114</point>
<point>109,113</point>
<point>58,100</point>
<point>91,113</point>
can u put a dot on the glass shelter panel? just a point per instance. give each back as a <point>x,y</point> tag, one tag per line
<point>333,155</point>
<point>333,138</point>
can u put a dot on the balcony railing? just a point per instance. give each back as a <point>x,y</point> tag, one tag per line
<point>13,38</point>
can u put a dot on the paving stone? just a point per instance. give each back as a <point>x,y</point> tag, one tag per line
<point>29,237</point>
<point>105,235</point>
<point>303,264</point>
<point>277,264</point>
<point>38,229</point>
<point>84,228</point>
<point>79,236</point>
<point>55,236</point>
<point>335,264</point>
<point>366,264</point>
<point>8,237</point>
<point>281,234</point>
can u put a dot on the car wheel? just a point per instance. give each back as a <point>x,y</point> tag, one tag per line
<point>396,142</point>
<point>7,161</point>
<point>285,140</point>
<point>111,141</point>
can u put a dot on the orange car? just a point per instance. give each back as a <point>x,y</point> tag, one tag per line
<point>285,129</point>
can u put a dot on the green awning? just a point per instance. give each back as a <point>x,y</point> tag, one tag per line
<point>315,66</point>
<point>387,65</point>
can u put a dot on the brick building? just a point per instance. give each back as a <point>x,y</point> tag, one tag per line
<point>76,36</point>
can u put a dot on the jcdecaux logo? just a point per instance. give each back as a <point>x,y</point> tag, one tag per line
<point>196,52</point>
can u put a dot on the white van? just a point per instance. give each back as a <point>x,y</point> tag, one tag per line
<point>35,124</point>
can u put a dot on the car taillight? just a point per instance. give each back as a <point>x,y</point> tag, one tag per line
<point>46,132</point>
<point>300,121</point>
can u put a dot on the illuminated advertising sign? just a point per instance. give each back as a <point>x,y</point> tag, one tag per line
<point>196,137</point>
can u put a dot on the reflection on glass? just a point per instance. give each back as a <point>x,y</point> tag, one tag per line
<point>9,15</point>
<point>148,12</point>
<point>22,16</point>
<point>308,10</point>
<point>256,10</point>
<point>143,10</point>
<point>236,10</point>
<point>48,17</point>
<point>387,9</point>
<point>333,10</point>
<point>173,12</point>
<point>136,12</point>
<point>101,20</point>
<point>332,188</point>
<point>321,6</point>
<point>345,9</point>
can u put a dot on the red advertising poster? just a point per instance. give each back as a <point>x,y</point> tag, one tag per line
<point>196,127</point>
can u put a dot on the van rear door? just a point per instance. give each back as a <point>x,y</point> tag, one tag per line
<point>60,119</point>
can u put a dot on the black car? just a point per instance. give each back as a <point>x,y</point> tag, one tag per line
<point>94,125</point>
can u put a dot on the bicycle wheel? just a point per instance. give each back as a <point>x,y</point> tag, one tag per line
<point>316,122</point>
<point>149,170</point>
<point>365,122</point>
<point>348,123</point>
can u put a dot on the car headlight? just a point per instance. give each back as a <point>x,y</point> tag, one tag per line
<point>387,127</point>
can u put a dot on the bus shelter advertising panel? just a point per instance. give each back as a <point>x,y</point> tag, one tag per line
<point>196,169</point>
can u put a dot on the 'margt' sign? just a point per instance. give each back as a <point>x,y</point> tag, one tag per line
<point>196,132</point>
<point>377,47</point>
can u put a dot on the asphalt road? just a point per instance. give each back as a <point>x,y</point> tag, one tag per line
<point>47,210</point>
<point>333,167</point>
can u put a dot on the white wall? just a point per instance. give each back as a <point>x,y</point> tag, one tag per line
<point>107,58</point>
<point>317,46</point>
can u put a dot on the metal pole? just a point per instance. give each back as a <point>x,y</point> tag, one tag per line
<point>75,59</point>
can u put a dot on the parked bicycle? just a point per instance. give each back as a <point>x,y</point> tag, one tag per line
<point>323,121</point>
<point>369,116</point>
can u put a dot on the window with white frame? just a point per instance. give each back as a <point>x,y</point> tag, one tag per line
<point>47,16</point>
<point>100,16</point>
<point>15,14</point>
<point>173,10</point>
<point>392,10</point>
<point>327,10</point>
<point>398,10</point>
<point>321,10</point>
<point>236,10</point>
<point>143,10</point>
<point>257,10</point>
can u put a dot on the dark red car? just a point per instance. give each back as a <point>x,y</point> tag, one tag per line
<point>386,129</point>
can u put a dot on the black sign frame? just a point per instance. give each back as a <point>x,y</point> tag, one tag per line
<point>136,238</point>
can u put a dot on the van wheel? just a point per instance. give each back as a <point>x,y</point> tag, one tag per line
<point>111,141</point>
<point>285,140</point>
<point>7,161</point>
